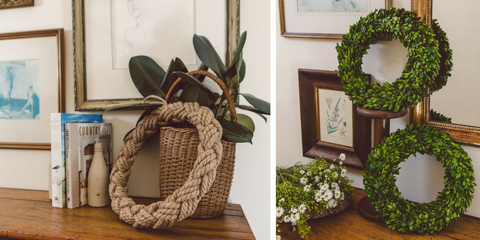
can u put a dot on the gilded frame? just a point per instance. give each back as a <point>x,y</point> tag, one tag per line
<point>59,36</point>
<point>309,82</point>
<point>462,134</point>
<point>17,4</point>
<point>285,33</point>
<point>82,103</point>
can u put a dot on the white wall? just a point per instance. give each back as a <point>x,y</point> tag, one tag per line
<point>420,178</point>
<point>29,169</point>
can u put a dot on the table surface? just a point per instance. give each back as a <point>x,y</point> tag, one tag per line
<point>348,224</point>
<point>28,214</point>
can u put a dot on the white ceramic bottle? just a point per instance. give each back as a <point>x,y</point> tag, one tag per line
<point>98,179</point>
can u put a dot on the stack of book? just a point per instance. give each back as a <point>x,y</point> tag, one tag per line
<point>73,137</point>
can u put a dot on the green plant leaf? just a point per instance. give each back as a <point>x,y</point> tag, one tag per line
<point>175,65</point>
<point>201,77</point>
<point>241,71</point>
<point>195,94</point>
<point>254,110</point>
<point>244,120</point>
<point>193,82</point>
<point>239,49</point>
<point>147,76</point>
<point>235,132</point>
<point>209,56</point>
<point>260,104</point>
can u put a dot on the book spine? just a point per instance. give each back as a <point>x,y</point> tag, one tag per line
<point>71,162</point>
<point>58,170</point>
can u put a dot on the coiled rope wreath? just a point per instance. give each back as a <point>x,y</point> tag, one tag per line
<point>183,202</point>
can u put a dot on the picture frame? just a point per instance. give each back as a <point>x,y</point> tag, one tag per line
<point>16,4</point>
<point>32,66</point>
<point>464,134</point>
<point>296,18</point>
<point>211,19</point>
<point>317,87</point>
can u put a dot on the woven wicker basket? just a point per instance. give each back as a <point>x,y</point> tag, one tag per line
<point>178,152</point>
<point>340,207</point>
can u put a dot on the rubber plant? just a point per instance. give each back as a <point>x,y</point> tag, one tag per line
<point>151,79</point>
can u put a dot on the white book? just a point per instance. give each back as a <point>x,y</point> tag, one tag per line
<point>57,125</point>
<point>79,145</point>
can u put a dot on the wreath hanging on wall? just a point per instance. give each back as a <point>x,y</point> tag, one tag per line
<point>428,66</point>
<point>405,216</point>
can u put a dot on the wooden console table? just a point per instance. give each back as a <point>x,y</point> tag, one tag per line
<point>28,214</point>
<point>348,224</point>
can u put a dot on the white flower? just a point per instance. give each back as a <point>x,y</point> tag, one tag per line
<point>318,197</point>
<point>334,185</point>
<point>324,187</point>
<point>293,210</point>
<point>327,195</point>
<point>307,188</point>
<point>287,219</point>
<point>337,194</point>
<point>302,208</point>
<point>317,179</point>
<point>332,167</point>
<point>332,203</point>
<point>344,171</point>
<point>303,180</point>
<point>309,173</point>
<point>302,172</point>
<point>341,163</point>
<point>343,197</point>
<point>335,174</point>
<point>278,237</point>
<point>281,200</point>
<point>295,217</point>
<point>279,211</point>
<point>342,157</point>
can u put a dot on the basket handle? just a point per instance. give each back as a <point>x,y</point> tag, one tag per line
<point>231,104</point>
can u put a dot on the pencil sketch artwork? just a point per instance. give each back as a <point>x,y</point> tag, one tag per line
<point>332,5</point>
<point>19,90</point>
<point>335,113</point>
<point>160,29</point>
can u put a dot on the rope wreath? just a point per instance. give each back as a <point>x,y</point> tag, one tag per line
<point>405,216</point>
<point>183,202</point>
<point>428,66</point>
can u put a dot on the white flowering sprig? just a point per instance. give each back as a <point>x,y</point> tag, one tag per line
<point>312,187</point>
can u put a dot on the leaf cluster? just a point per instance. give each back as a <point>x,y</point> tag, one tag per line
<point>428,66</point>
<point>405,216</point>
<point>436,116</point>
<point>151,79</point>
<point>290,192</point>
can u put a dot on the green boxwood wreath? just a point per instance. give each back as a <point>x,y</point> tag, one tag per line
<point>405,216</point>
<point>428,66</point>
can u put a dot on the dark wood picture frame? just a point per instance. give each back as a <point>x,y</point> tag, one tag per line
<point>309,83</point>
<point>59,35</point>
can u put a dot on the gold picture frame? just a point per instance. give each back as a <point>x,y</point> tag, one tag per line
<point>5,4</point>
<point>289,34</point>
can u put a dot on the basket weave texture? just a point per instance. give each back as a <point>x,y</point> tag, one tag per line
<point>178,153</point>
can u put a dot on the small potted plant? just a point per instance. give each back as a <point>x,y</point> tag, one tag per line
<point>309,191</point>
<point>151,79</point>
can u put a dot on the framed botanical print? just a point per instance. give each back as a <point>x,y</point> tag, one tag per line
<point>31,87</point>
<point>330,124</point>
<point>323,18</point>
<point>108,33</point>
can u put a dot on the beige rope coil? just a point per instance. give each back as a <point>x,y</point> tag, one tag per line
<point>183,202</point>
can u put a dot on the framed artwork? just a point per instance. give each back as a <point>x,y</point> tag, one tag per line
<point>31,87</point>
<point>323,18</point>
<point>16,3</point>
<point>330,123</point>
<point>108,33</point>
